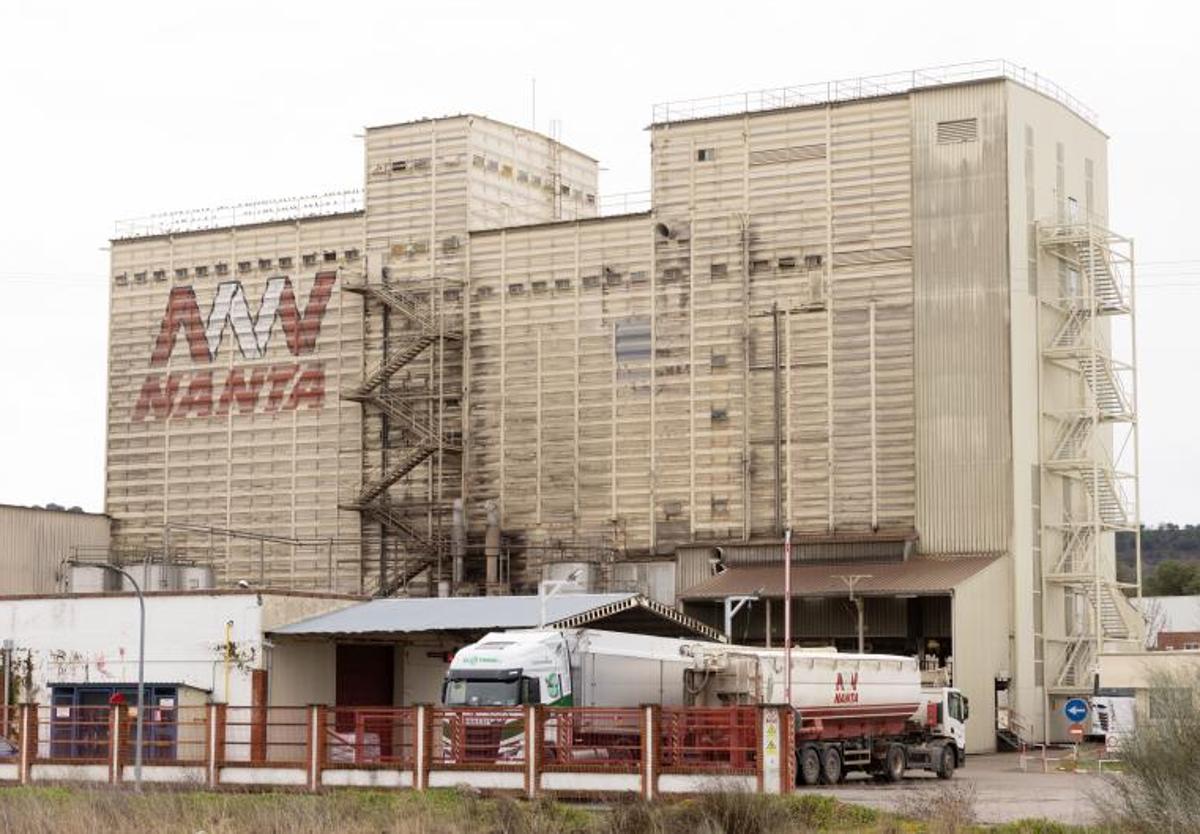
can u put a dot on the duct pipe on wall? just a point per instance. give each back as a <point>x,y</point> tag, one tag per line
<point>458,541</point>
<point>491,546</point>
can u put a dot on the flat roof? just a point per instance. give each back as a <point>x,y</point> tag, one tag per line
<point>919,575</point>
<point>454,116</point>
<point>411,615</point>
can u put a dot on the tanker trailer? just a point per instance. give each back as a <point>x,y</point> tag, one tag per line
<point>852,712</point>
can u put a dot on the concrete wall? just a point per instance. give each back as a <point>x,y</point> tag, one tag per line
<point>94,639</point>
<point>241,425</point>
<point>983,637</point>
<point>34,543</point>
<point>1039,183</point>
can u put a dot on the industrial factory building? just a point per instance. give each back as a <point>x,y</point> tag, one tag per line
<point>877,313</point>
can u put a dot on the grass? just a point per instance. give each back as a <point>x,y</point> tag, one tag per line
<point>66,810</point>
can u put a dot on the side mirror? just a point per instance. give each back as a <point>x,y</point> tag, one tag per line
<point>966,708</point>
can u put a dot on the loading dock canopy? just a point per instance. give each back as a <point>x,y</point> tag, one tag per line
<point>923,575</point>
<point>387,618</point>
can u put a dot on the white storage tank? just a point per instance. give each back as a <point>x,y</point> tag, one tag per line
<point>91,579</point>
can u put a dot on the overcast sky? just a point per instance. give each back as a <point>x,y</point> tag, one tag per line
<point>117,109</point>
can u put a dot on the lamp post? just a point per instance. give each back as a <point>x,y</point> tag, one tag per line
<point>141,674</point>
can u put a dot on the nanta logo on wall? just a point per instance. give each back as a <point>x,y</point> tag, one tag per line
<point>277,387</point>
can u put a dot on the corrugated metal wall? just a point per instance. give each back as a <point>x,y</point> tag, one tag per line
<point>219,415</point>
<point>964,445</point>
<point>34,543</point>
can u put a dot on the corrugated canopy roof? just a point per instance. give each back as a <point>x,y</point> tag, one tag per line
<point>618,612</point>
<point>919,575</point>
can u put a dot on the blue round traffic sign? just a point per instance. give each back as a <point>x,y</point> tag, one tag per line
<point>1076,709</point>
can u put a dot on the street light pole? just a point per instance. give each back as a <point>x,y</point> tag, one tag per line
<point>141,674</point>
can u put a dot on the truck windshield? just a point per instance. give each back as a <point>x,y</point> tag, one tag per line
<point>476,693</point>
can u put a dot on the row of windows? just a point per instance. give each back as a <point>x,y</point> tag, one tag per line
<point>507,171</point>
<point>222,268</point>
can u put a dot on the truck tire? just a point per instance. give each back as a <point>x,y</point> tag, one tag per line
<point>808,765</point>
<point>947,758</point>
<point>831,766</point>
<point>895,762</point>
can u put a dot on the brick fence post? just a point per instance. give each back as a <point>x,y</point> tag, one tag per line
<point>116,738</point>
<point>421,755</point>
<point>316,745</point>
<point>650,753</point>
<point>534,716</point>
<point>215,744</point>
<point>29,741</point>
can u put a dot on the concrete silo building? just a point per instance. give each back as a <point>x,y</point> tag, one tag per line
<point>887,315</point>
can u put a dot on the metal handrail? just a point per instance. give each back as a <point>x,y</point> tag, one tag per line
<point>867,87</point>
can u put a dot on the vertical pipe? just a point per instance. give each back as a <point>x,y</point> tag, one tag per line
<point>537,446</point>
<point>458,540</point>
<point>874,425</point>
<point>777,409</point>
<point>745,221</point>
<point>787,616</point>
<point>1137,434</point>
<point>491,546</point>
<point>828,292</point>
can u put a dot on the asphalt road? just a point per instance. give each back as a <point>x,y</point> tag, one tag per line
<point>1003,792</point>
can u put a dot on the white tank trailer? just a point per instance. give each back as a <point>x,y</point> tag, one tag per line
<point>852,712</point>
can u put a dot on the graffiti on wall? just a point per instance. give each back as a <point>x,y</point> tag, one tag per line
<point>206,392</point>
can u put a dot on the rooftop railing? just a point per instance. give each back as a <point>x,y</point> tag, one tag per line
<point>871,86</point>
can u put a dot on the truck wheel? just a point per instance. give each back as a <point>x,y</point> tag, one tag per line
<point>946,762</point>
<point>831,766</point>
<point>808,765</point>
<point>895,763</point>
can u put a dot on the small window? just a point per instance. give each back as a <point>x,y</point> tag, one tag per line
<point>244,266</point>
<point>285,263</point>
<point>506,171</point>
<point>759,266</point>
<point>718,271</point>
<point>957,130</point>
<point>477,161</point>
<point>450,244</point>
<point>201,271</point>
<point>399,165</point>
<point>787,263</point>
<point>350,254</point>
<point>564,190</point>
<point>493,165</point>
<point>516,289</point>
<point>706,154</point>
<point>633,339</point>
<point>160,275</point>
<point>310,259</point>
<point>418,248</point>
<point>638,277</point>
<point>718,360</point>
<point>181,272</point>
<point>672,273</point>
<point>330,255</point>
<point>720,506</point>
<point>562,283</point>
<point>420,164</point>
<point>139,277</point>
<point>522,176</point>
<point>718,415</point>
<point>221,268</point>
<point>121,279</point>
<point>535,181</point>
<point>591,282</point>
<point>483,292</point>
<point>590,199</point>
<point>538,286</point>
<point>813,261</point>
<point>612,278</point>
<point>264,263</point>
<point>452,295</point>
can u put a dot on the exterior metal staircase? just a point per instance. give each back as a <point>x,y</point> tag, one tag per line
<point>1079,462</point>
<point>410,433</point>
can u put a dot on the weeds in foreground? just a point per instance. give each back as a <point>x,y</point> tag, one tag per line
<point>949,809</point>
